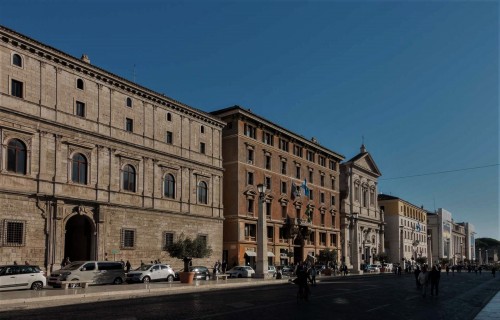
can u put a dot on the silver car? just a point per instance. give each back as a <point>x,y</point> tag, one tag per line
<point>151,272</point>
<point>14,277</point>
<point>241,272</point>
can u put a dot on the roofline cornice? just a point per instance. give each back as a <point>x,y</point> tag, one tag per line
<point>63,59</point>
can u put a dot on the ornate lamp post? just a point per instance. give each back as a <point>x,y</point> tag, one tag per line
<point>262,270</point>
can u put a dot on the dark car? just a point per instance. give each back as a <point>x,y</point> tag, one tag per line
<point>200,273</point>
<point>286,270</point>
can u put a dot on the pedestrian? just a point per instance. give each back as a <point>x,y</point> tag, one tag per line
<point>423,279</point>
<point>224,266</point>
<point>434,277</point>
<point>65,262</point>
<point>312,272</point>
<point>216,267</point>
<point>400,269</point>
<point>493,271</point>
<point>26,263</point>
<point>128,266</point>
<point>416,273</point>
<point>447,270</point>
<point>142,264</point>
<point>480,270</point>
<point>15,263</point>
<point>123,263</point>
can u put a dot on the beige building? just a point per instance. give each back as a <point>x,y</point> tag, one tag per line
<point>362,223</point>
<point>96,167</point>
<point>406,230</point>
<point>257,151</point>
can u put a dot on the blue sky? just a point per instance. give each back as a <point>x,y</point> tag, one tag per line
<point>419,80</point>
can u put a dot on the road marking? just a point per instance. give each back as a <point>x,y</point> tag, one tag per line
<point>380,307</point>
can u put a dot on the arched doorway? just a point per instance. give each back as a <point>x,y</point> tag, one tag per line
<point>78,238</point>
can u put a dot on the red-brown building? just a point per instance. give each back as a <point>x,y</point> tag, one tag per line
<point>299,224</point>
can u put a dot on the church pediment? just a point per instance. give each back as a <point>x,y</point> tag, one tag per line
<point>366,162</point>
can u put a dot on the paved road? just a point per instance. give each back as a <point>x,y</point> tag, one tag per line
<point>375,297</point>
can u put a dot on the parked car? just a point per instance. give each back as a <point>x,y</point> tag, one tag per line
<point>96,272</point>
<point>371,268</point>
<point>241,272</point>
<point>200,273</point>
<point>13,277</point>
<point>286,270</point>
<point>151,272</point>
<point>271,270</point>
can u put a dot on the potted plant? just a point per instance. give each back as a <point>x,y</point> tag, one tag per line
<point>186,249</point>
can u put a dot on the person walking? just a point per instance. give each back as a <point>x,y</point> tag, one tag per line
<point>447,270</point>
<point>127,266</point>
<point>416,274</point>
<point>434,277</point>
<point>312,272</point>
<point>423,280</point>
<point>224,266</point>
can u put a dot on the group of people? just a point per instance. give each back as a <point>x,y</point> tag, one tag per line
<point>424,277</point>
<point>220,267</point>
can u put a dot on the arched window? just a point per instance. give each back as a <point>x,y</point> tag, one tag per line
<point>16,156</point>
<point>169,186</point>
<point>79,84</point>
<point>129,102</point>
<point>129,178</point>
<point>79,169</point>
<point>202,192</point>
<point>17,60</point>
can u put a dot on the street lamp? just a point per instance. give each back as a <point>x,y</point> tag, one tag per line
<point>262,270</point>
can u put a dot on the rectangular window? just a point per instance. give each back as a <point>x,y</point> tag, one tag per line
<point>332,165</point>
<point>322,161</point>
<point>250,232</point>
<point>283,187</point>
<point>283,145</point>
<point>268,210</point>
<point>311,194</point>
<point>282,235</point>
<point>16,88</point>
<point>168,238</point>
<point>249,156</point>
<point>267,181</point>
<point>268,138</point>
<point>13,233</point>
<point>283,212</point>
<point>283,167</point>
<point>333,184</point>
<point>250,205</point>
<point>310,156</point>
<point>169,137</point>
<point>322,239</point>
<point>129,125</point>
<point>297,151</point>
<point>333,200</point>
<point>203,238</point>
<point>250,178</point>
<point>128,239</point>
<point>202,147</point>
<point>322,216</point>
<point>333,239</point>
<point>268,162</point>
<point>322,197</point>
<point>297,172</point>
<point>270,234</point>
<point>311,176</point>
<point>250,131</point>
<point>322,180</point>
<point>80,109</point>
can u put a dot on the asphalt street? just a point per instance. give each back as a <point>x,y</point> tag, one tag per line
<point>461,296</point>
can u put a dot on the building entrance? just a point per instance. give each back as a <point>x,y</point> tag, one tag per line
<point>78,239</point>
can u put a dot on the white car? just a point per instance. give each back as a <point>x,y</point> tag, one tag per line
<point>151,272</point>
<point>14,277</point>
<point>241,272</point>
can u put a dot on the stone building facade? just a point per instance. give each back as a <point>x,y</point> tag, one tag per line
<point>94,166</point>
<point>299,224</point>
<point>406,230</point>
<point>362,222</point>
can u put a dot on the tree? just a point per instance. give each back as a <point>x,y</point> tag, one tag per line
<point>328,255</point>
<point>186,249</point>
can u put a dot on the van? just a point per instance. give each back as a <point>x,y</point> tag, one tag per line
<point>97,272</point>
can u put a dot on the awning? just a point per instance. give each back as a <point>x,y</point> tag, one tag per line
<point>251,253</point>
<point>270,254</point>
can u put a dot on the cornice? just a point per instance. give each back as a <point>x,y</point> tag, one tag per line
<point>65,60</point>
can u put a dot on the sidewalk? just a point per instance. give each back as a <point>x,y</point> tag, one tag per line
<point>491,310</point>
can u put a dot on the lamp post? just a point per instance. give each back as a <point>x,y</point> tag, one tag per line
<point>262,270</point>
<point>429,250</point>
<point>401,247</point>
